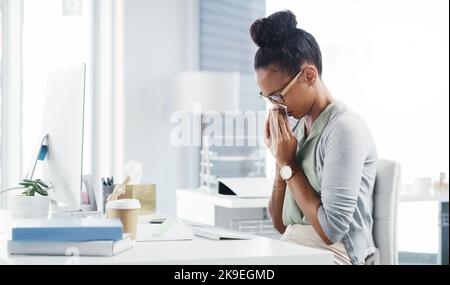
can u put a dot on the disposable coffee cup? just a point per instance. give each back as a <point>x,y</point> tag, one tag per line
<point>127,211</point>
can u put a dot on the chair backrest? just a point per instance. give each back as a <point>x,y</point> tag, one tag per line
<point>385,204</point>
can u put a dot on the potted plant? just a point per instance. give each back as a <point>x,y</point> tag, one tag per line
<point>33,202</point>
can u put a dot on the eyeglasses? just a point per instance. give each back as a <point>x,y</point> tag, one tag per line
<point>278,98</point>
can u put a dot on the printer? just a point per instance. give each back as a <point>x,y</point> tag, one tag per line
<point>245,187</point>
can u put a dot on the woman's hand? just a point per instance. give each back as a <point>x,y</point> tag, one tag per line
<point>279,138</point>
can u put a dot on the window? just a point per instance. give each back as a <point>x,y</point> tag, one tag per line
<point>226,45</point>
<point>1,85</point>
<point>389,61</point>
<point>56,34</point>
<point>10,83</point>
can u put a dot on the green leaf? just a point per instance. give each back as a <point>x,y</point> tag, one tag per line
<point>33,186</point>
<point>35,183</point>
<point>41,191</point>
<point>29,192</point>
<point>40,182</point>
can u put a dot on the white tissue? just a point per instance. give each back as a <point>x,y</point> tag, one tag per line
<point>133,169</point>
<point>292,122</point>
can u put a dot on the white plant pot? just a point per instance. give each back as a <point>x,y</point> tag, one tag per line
<point>29,207</point>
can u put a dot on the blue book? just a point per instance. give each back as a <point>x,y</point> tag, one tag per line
<point>75,230</point>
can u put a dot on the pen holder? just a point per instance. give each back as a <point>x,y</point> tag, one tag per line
<point>145,193</point>
<point>107,189</point>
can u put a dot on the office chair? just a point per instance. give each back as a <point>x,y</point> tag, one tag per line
<point>385,204</point>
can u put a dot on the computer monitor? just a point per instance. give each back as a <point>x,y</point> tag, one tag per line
<point>63,123</point>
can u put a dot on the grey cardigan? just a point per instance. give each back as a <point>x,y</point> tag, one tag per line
<point>346,162</point>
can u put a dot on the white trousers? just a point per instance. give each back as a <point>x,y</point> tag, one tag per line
<point>307,236</point>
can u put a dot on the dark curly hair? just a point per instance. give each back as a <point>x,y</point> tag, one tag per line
<point>281,43</point>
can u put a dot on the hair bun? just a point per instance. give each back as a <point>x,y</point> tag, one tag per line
<point>273,30</point>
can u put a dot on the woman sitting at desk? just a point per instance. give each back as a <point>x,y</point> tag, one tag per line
<point>326,165</point>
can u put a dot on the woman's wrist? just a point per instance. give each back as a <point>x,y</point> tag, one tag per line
<point>279,185</point>
<point>282,162</point>
<point>278,179</point>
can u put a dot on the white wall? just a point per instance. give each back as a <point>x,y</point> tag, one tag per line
<point>155,48</point>
<point>389,61</point>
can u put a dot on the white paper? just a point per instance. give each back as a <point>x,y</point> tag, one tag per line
<point>177,231</point>
<point>218,233</point>
<point>133,169</point>
<point>249,187</point>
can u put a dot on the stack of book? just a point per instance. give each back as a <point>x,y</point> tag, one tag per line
<point>83,237</point>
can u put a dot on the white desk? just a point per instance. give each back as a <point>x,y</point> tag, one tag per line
<point>258,250</point>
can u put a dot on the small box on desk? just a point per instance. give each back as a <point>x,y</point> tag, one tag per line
<point>145,193</point>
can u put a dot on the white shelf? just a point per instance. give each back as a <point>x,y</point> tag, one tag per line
<point>235,158</point>
<point>436,196</point>
<point>226,201</point>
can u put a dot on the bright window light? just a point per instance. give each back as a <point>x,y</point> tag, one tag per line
<point>53,38</point>
<point>389,61</point>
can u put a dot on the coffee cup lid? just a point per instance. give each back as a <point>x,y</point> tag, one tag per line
<point>124,204</point>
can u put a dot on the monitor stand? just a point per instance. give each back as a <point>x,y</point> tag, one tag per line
<point>39,154</point>
<point>88,207</point>
<point>61,211</point>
